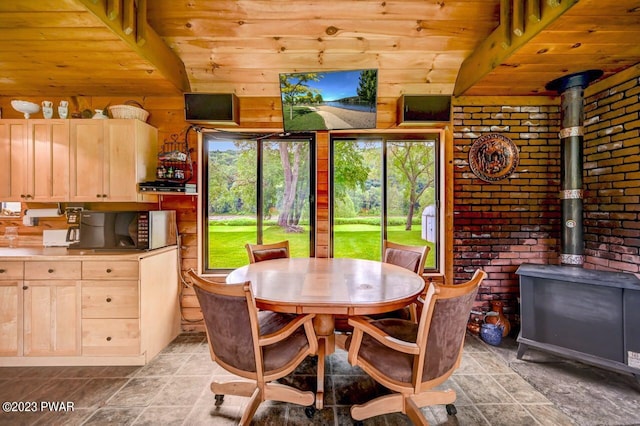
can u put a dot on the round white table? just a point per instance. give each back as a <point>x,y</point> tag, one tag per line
<point>329,287</point>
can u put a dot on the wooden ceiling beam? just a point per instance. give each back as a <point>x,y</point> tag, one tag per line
<point>512,33</point>
<point>141,23</point>
<point>128,17</point>
<point>114,9</point>
<point>134,30</point>
<point>533,10</point>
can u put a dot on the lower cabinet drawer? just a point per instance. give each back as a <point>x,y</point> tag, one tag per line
<point>110,337</point>
<point>116,299</point>
<point>110,269</point>
<point>11,270</point>
<point>41,270</point>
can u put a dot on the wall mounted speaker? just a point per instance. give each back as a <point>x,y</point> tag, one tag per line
<point>424,110</point>
<point>212,108</point>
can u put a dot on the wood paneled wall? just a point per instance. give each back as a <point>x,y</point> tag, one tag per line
<point>322,195</point>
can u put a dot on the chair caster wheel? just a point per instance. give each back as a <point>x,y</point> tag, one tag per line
<point>309,411</point>
<point>451,409</point>
<point>219,399</point>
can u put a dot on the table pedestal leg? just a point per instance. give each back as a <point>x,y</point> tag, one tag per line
<point>320,384</point>
<point>323,325</point>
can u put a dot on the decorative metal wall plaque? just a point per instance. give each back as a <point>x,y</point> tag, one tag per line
<point>493,157</point>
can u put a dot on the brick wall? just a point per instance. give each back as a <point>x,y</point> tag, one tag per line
<point>500,225</point>
<point>612,178</point>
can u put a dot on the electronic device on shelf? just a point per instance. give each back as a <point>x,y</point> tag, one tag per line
<point>167,186</point>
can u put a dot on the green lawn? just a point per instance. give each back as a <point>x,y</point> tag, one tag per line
<point>363,241</point>
<point>356,241</point>
<point>228,243</point>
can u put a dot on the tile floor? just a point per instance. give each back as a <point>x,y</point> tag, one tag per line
<point>493,387</point>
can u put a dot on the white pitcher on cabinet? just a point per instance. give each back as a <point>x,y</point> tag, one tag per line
<point>63,109</point>
<point>47,109</point>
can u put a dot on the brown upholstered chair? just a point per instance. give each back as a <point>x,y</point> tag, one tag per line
<point>409,257</point>
<point>412,359</point>
<point>260,252</point>
<point>412,258</point>
<point>258,346</point>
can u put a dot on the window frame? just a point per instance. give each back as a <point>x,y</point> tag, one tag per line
<point>203,179</point>
<point>404,135</point>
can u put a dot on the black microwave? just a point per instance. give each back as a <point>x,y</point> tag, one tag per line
<point>126,230</point>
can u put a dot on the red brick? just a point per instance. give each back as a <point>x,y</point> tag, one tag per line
<point>623,266</point>
<point>517,220</point>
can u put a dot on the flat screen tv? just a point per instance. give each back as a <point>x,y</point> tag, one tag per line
<point>329,100</point>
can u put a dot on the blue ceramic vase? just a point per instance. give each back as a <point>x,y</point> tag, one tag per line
<point>491,334</point>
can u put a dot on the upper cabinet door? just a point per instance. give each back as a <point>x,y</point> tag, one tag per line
<point>87,160</point>
<point>48,162</point>
<point>34,160</point>
<point>13,160</point>
<point>110,157</point>
<point>120,165</point>
<point>132,152</point>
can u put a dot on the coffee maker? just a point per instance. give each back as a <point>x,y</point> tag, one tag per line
<point>73,224</point>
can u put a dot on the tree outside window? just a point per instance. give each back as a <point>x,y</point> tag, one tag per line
<point>384,187</point>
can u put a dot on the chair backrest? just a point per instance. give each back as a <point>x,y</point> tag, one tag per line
<point>261,252</point>
<point>231,322</point>
<point>409,257</point>
<point>442,327</point>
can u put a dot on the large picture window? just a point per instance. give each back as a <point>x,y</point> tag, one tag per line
<point>385,187</point>
<point>259,190</point>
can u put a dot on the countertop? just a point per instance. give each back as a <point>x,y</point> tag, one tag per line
<point>62,253</point>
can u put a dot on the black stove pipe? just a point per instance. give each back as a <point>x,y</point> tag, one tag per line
<point>571,88</point>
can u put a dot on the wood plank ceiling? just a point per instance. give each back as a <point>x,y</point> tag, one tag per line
<point>165,47</point>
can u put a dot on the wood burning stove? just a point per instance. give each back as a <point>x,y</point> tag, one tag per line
<point>586,315</point>
<point>581,314</point>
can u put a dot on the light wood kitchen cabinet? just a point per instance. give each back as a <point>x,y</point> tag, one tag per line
<point>111,269</point>
<point>76,160</point>
<point>116,336</point>
<point>109,157</point>
<point>110,308</point>
<point>110,299</point>
<point>51,308</point>
<point>88,309</point>
<point>34,160</point>
<point>49,270</point>
<point>40,308</point>
<point>11,276</point>
<point>88,156</point>
<point>51,317</point>
<point>13,158</point>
